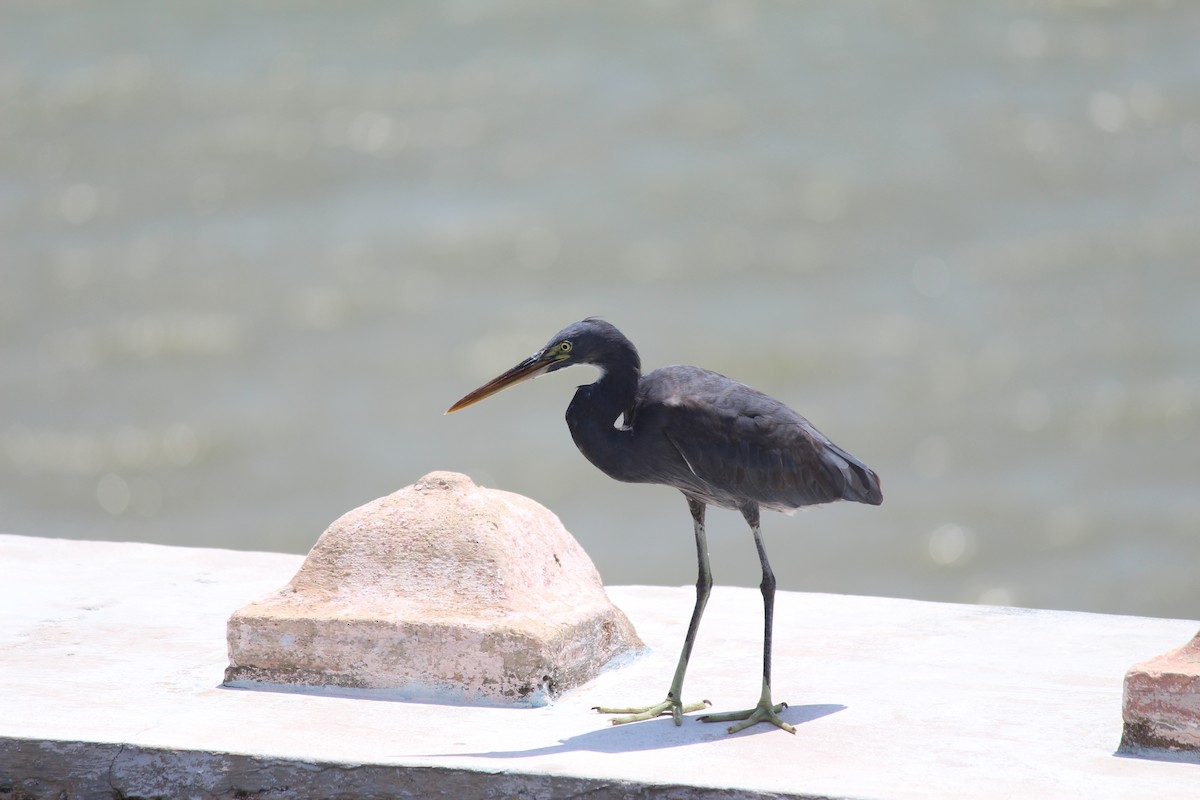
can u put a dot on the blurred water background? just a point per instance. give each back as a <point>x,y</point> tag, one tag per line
<point>252,251</point>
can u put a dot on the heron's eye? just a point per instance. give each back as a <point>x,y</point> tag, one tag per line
<point>564,347</point>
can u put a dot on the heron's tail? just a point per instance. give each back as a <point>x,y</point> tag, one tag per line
<point>861,484</point>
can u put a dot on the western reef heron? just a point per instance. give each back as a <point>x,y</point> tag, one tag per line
<point>714,439</point>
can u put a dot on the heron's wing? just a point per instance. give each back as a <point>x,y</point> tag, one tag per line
<point>743,446</point>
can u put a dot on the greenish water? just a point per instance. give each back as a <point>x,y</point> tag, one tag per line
<point>251,253</point>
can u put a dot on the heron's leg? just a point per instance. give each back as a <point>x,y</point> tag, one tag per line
<point>766,710</point>
<point>674,703</point>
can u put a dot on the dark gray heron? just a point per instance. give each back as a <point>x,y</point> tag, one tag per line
<point>716,440</point>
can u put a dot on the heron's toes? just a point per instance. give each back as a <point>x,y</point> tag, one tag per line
<point>637,714</point>
<point>763,712</point>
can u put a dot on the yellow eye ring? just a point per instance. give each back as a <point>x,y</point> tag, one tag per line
<point>564,347</point>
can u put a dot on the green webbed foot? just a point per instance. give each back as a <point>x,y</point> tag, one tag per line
<point>750,717</point>
<point>765,711</point>
<point>669,706</point>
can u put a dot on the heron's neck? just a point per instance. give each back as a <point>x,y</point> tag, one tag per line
<point>592,415</point>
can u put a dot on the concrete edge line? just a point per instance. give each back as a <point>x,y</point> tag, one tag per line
<point>34,769</point>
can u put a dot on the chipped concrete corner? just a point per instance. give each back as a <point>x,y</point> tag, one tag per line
<point>442,591</point>
<point>1161,704</point>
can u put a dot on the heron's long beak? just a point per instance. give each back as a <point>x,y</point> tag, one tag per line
<point>529,368</point>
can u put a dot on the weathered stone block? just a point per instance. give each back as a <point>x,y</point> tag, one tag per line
<point>441,591</point>
<point>1162,701</point>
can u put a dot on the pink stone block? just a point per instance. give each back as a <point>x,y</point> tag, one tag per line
<point>1162,701</point>
<point>442,591</point>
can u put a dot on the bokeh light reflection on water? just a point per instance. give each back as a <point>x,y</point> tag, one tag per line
<point>251,254</point>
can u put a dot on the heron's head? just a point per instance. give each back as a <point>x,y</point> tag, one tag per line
<point>590,341</point>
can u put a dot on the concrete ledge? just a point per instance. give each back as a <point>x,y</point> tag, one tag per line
<point>118,771</point>
<point>111,658</point>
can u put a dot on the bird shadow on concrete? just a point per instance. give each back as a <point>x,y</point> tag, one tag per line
<point>658,734</point>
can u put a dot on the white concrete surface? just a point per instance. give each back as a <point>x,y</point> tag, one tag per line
<point>111,658</point>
